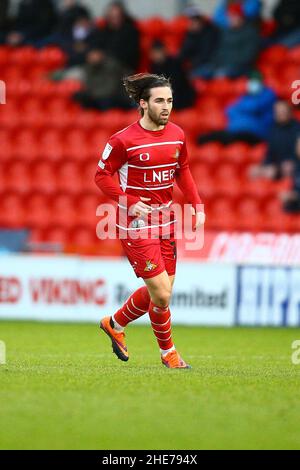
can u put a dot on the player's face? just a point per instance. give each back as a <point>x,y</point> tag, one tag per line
<point>159,105</point>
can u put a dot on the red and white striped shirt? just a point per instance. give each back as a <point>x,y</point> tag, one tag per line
<point>148,164</point>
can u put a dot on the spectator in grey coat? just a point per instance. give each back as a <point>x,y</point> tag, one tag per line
<point>238,48</point>
<point>102,79</point>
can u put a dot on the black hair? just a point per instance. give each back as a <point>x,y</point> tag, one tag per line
<point>138,86</point>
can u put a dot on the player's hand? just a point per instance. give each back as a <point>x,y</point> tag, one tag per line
<point>140,209</point>
<point>199,219</point>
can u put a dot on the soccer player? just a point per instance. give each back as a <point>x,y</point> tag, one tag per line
<point>149,156</point>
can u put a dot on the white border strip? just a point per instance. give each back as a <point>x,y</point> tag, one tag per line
<point>155,145</point>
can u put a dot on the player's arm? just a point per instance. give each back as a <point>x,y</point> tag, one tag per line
<point>188,187</point>
<point>113,158</point>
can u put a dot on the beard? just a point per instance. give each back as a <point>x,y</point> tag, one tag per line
<point>158,119</point>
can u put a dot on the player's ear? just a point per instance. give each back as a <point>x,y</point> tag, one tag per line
<point>143,104</point>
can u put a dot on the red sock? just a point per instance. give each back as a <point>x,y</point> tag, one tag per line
<point>135,307</point>
<point>161,325</point>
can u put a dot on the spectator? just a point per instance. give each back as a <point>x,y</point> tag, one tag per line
<point>163,64</point>
<point>281,155</point>
<point>102,77</point>
<point>201,39</point>
<point>35,20</point>
<point>84,35</point>
<point>4,20</point>
<point>291,199</point>
<point>287,16</point>
<point>251,10</point>
<point>120,36</point>
<point>237,51</point>
<point>250,118</point>
<point>70,12</point>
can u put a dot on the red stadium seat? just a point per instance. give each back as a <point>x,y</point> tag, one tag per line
<point>37,211</point>
<point>236,153</point>
<point>12,211</point>
<point>23,56</point>
<point>153,27</point>
<point>220,215</point>
<point>200,170</point>
<point>43,177</point>
<point>57,236</point>
<point>227,179</point>
<point>4,55</point>
<point>63,211</point>
<point>51,57</point>
<point>66,88</point>
<point>51,142</point>
<point>17,177</point>
<point>210,153</point>
<point>257,153</point>
<point>274,55</point>
<point>69,177</point>
<point>26,146</point>
<point>86,206</point>
<point>294,55</point>
<point>248,214</point>
<point>274,218</point>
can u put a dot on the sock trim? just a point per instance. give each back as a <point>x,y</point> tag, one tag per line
<point>160,324</point>
<point>162,332</point>
<point>165,339</point>
<point>135,314</point>
<point>144,311</point>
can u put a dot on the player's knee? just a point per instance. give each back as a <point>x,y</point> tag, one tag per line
<point>163,298</point>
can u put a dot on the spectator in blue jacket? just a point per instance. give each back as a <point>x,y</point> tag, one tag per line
<point>281,154</point>
<point>250,118</point>
<point>250,8</point>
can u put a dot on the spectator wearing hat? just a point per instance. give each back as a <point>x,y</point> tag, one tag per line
<point>250,118</point>
<point>200,41</point>
<point>250,8</point>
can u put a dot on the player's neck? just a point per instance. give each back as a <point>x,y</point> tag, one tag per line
<point>149,125</point>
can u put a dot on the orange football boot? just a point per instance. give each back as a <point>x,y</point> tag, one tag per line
<point>172,360</point>
<point>117,339</point>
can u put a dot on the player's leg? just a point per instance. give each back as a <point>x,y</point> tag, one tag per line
<point>134,307</point>
<point>145,258</point>
<point>160,290</point>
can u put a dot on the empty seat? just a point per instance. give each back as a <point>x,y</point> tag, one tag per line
<point>37,210</point>
<point>69,177</point>
<point>43,177</point>
<point>17,177</point>
<point>63,210</point>
<point>12,211</point>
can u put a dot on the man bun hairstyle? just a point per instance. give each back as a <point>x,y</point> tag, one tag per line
<point>138,86</point>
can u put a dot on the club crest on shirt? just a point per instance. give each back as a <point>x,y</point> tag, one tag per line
<point>150,266</point>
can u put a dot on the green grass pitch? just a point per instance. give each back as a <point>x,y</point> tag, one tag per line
<point>62,388</point>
